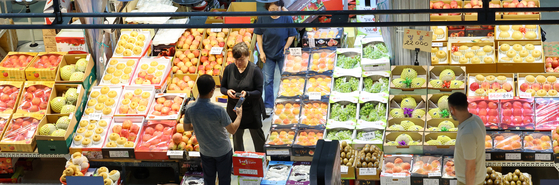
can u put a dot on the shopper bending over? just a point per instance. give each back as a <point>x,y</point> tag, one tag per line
<point>272,44</point>
<point>469,154</point>
<point>244,79</point>
<point>212,126</point>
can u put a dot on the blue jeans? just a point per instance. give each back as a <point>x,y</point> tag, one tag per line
<point>221,165</point>
<point>269,69</point>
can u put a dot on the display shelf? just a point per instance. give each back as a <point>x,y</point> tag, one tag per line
<point>32,155</point>
<point>522,164</point>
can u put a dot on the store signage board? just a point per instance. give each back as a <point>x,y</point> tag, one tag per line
<point>216,51</point>
<point>501,96</point>
<point>417,39</point>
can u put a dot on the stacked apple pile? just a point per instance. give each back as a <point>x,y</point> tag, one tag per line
<point>214,39</point>
<point>21,129</point>
<point>156,136</point>
<point>522,4</point>
<point>230,58</point>
<point>164,107</point>
<point>48,60</point>
<point>441,5</point>
<point>135,102</point>
<point>8,97</point>
<point>190,39</point>
<point>243,35</point>
<point>210,64</point>
<point>184,84</point>
<point>3,122</point>
<point>555,139</point>
<point>184,140</point>
<point>151,74</point>
<point>15,61</point>
<point>479,4</point>
<point>185,62</point>
<point>124,134</point>
<point>35,98</point>
<point>552,64</point>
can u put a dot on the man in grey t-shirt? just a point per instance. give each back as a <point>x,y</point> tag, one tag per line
<point>212,127</point>
<point>469,151</point>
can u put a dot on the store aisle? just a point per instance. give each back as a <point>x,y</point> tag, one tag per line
<point>551,35</point>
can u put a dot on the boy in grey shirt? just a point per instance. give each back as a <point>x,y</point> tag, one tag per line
<point>469,153</point>
<point>212,126</point>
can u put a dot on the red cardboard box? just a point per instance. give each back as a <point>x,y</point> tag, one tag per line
<point>250,164</point>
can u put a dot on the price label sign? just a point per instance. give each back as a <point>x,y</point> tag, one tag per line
<point>295,51</point>
<point>95,116</point>
<point>278,152</point>
<point>487,156</point>
<point>314,95</point>
<point>543,157</point>
<point>437,44</point>
<point>434,174</point>
<point>367,171</point>
<point>500,96</point>
<point>399,175</point>
<point>175,154</point>
<point>194,154</point>
<point>512,156</point>
<point>453,182</point>
<point>430,181</point>
<point>418,39</point>
<point>216,51</point>
<point>344,169</point>
<point>525,95</point>
<point>215,30</point>
<point>367,136</point>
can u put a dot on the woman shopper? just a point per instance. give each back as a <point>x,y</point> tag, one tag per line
<point>272,44</point>
<point>244,79</point>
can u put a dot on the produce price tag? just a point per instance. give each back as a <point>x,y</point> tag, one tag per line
<point>543,157</point>
<point>314,95</point>
<point>215,30</point>
<point>382,98</point>
<point>430,181</point>
<point>194,154</point>
<point>487,156</point>
<point>501,96</point>
<point>248,172</point>
<point>512,156</point>
<point>524,95</point>
<point>434,174</point>
<point>278,152</point>
<point>175,154</point>
<point>295,51</point>
<point>437,44</point>
<point>344,169</point>
<point>216,51</point>
<point>367,171</point>
<point>453,182</point>
<point>118,154</point>
<point>417,39</point>
<point>367,136</point>
<point>95,116</point>
<point>399,175</point>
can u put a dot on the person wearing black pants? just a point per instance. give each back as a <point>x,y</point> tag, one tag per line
<point>220,164</point>
<point>244,79</point>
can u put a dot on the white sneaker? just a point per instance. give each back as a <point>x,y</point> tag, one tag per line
<point>269,111</point>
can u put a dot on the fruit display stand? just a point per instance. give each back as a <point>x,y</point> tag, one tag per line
<point>506,142</point>
<point>313,114</point>
<point>133,44</point>
<point>152,145</point>
<point>368,137</point>
<point>374,55</point>
<point>4,120</point>
<point>393,169</point>
<point>56,143</point>
<point>89,73</point>
<point>403,143</point>
<point>291,87</point>
<point>482,84</point>
<point>186,61</point>
<point>119,71</point>
<point>286,113</point>
<point>439,143</point>
<point>373,113</point>
<point>374,84</point>
<point>446,79</point>
<point>517,114</point>
<point>486,109</point>
<point>464,53</point>
<point>437,105</point>
<point>295,64</point>
<point>279,142</point>
<point>35,97</point>
<point>177,86</point>
<point>14,65</point>
<point>546,113</point>
<point>347,167</point>
<point>372,156</point>
<point>448,175</point>
<point>446,4</point>
<point>527,32</point>
<point>537,85</point>
<point>348,61</point>
<point>152,71</point>
<point>322,61</point>
<point>520,15</point>
<point>440,33</point>
<point>436,125</point>
<point>323,37</point>
<point>440,53</point>
<point>426,169</point>
<point>305,142</point>
<point>346,86</point>
<point>473,16</point>
<point>408,80</point>
<point>318,87</point>
<point>123,137</point>
<point>525,60</point>
<point>135,101</point>
<point>13,91</point>
<point>538,146</point>
<point>44,66</point>
<point>407,106</point>
<point>13,141</point>
<point>94,149</point>
<point>343,114</point>
<point>63,90</point>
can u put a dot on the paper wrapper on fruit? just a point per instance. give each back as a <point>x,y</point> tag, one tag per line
<point>21,129</point>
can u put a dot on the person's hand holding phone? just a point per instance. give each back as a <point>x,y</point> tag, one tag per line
<point>243,94</point>
<point>231,93</point>
<point>239,111</point>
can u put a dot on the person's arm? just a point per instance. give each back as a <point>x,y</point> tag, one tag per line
<point>258,81</point>
<point>470,172</point>
<point>260,48</point>
<point>469,149</point>
<point>232,128</point>
<point>187,123</point>
<point>223,88</point>
<point>291,33</point>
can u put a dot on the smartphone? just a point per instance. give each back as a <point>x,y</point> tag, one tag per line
<point>239,103</point>
<point>238,95</point>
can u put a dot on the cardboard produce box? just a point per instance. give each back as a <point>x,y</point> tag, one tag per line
<point>44,71</point>
<point>393,147</point>
<point>252,164</point>
<point>478,63</point>
<point>89,74</point>
<point>507,64</point>
<point>49,144</point>
<point>93,150</point>
<point>8,65</point>
<point>444,148</point>
<point>447,82</point>
<point>12,141</point>
<point>418,86</point>
<point>241,7</point>
<point>113,147</point>
<point>446,16</point>
<point>14,93</point>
